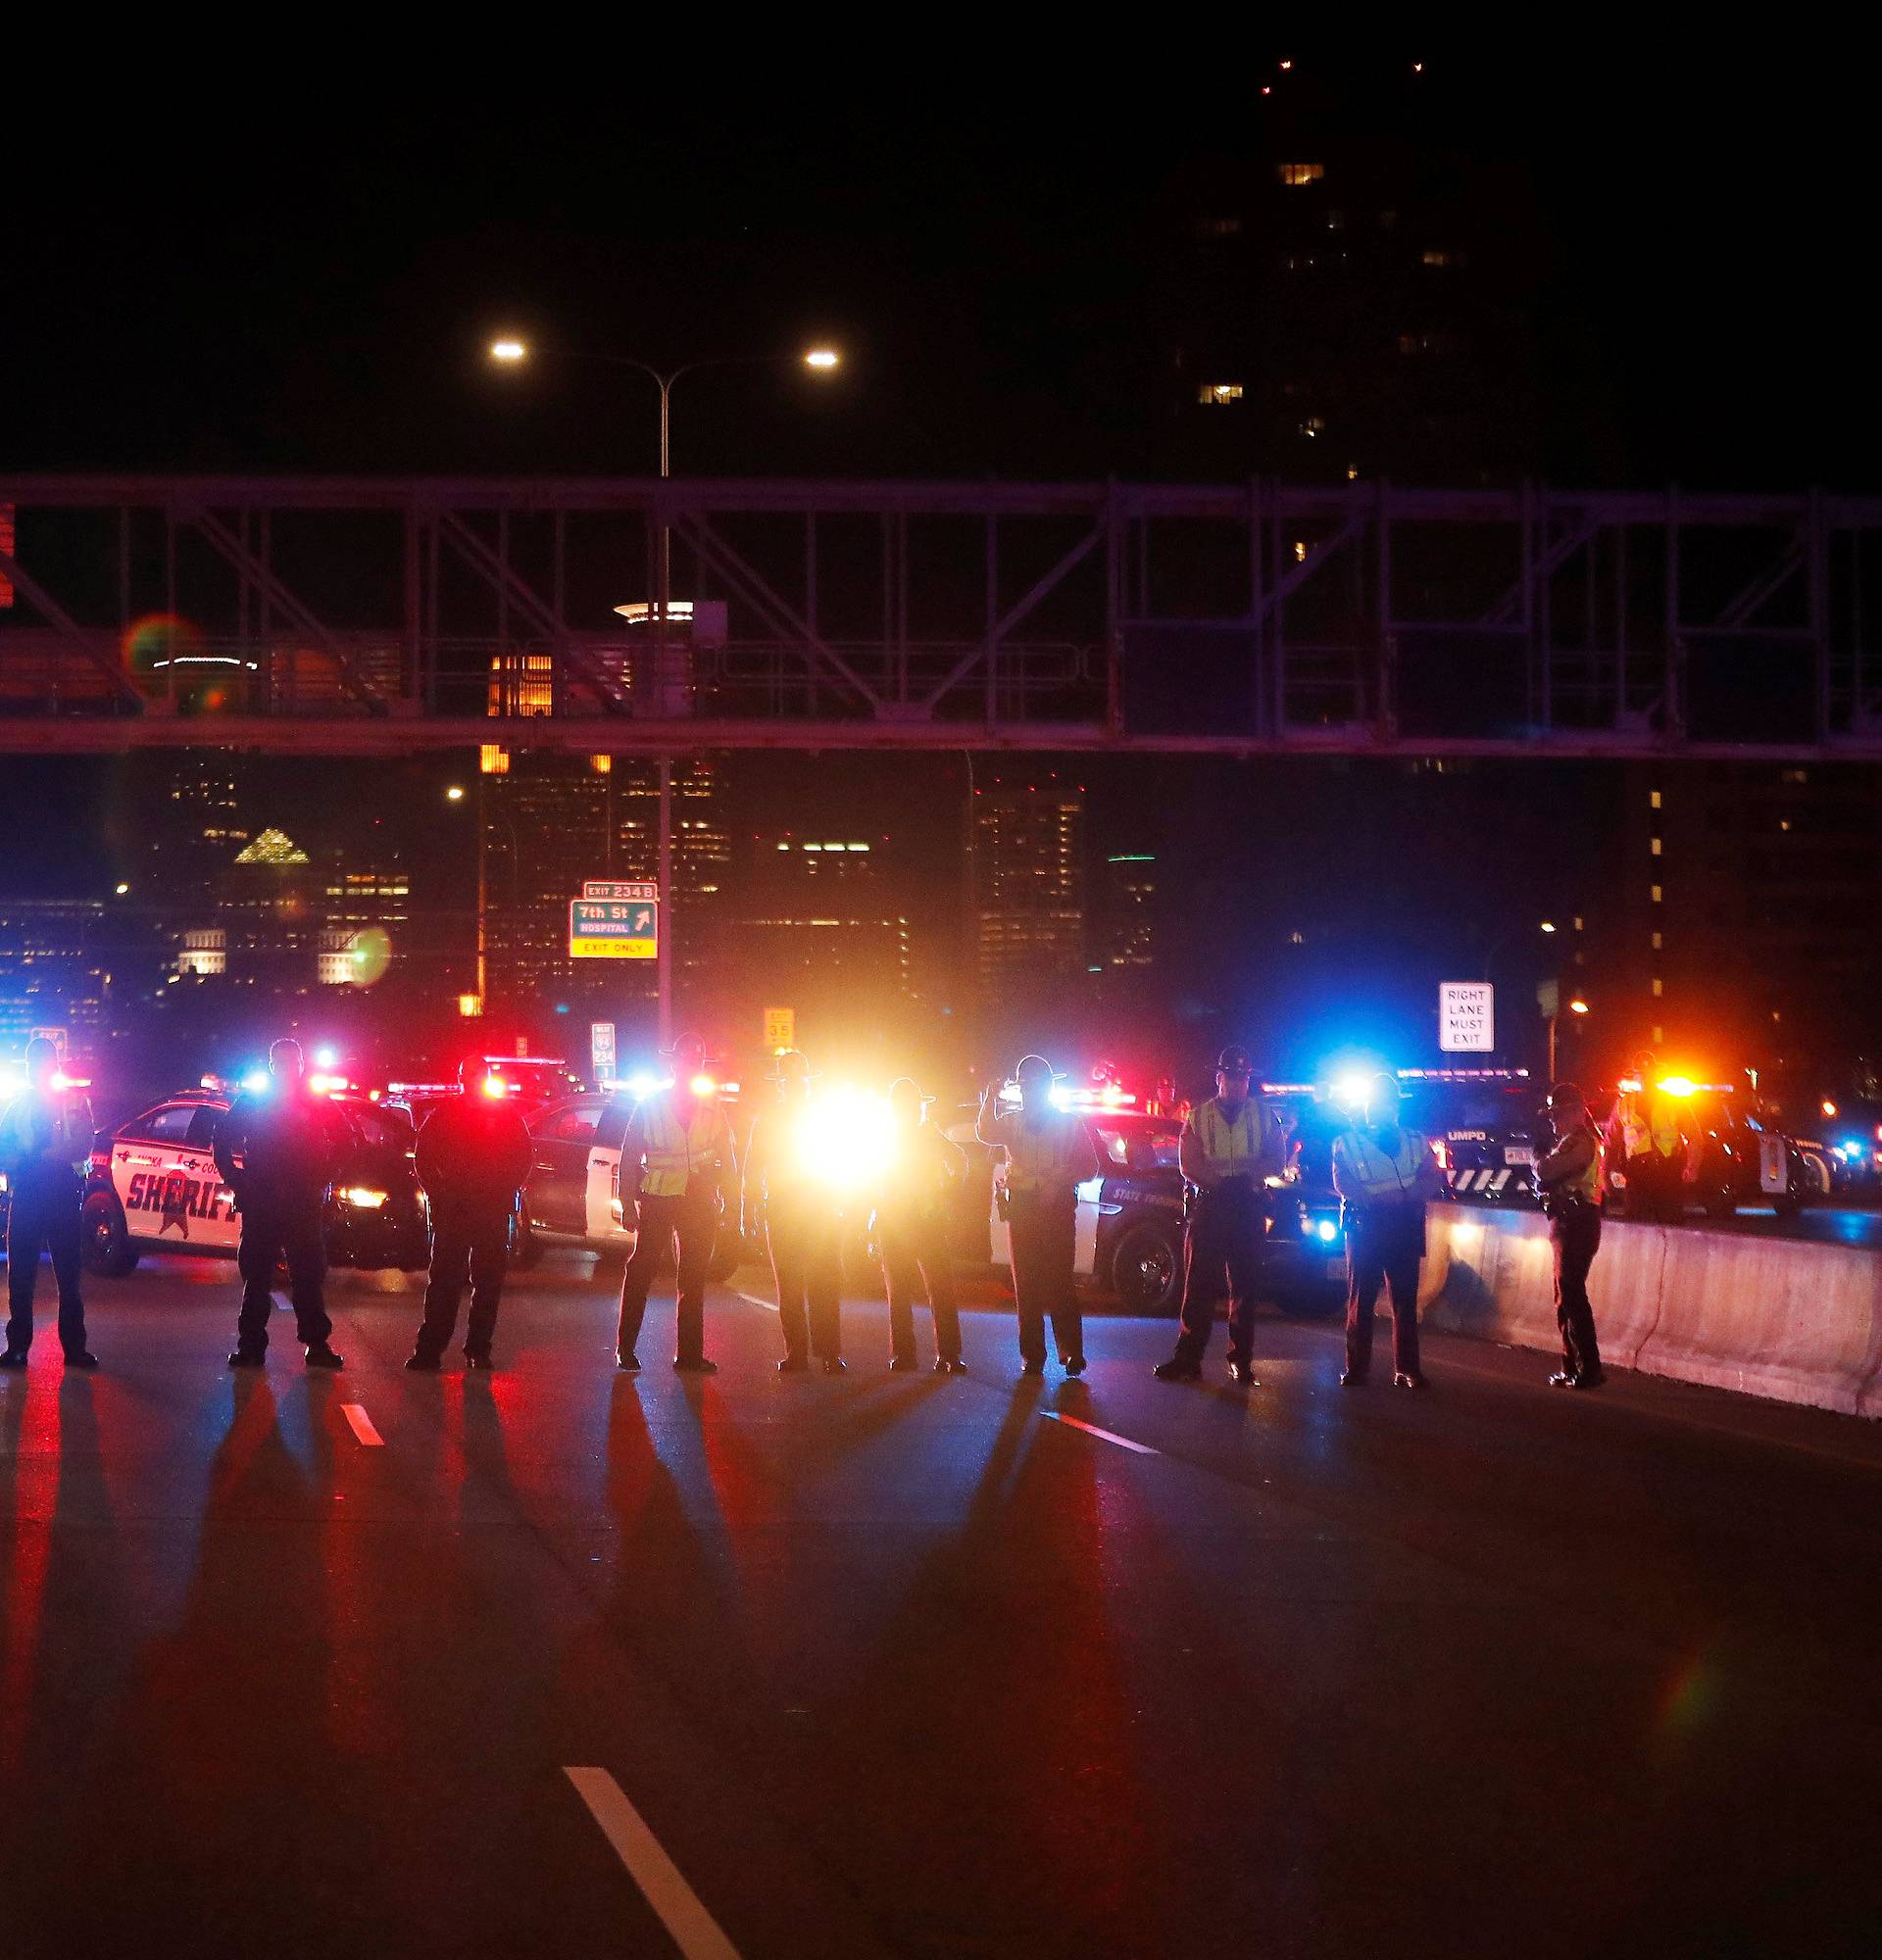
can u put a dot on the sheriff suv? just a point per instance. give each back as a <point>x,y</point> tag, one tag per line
<point>153,1187</point>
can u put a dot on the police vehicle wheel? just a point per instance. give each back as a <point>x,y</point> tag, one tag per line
<point>108,1250</point>
<point>1146,1271</point>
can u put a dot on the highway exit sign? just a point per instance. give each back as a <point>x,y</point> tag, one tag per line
<point>614,919</point>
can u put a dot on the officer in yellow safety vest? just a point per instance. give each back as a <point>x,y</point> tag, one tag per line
<point>1568,1175</point>
<point>1226,1157</point>
<point>800,1218</point>
<point>1385,1172</point>
<point>1644,1135</point>
<point>1049,1154</point>
<point>676,1164</point>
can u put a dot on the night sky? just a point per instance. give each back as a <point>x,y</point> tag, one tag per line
<point>300,274</point>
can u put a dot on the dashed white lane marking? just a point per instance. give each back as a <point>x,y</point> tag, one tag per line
<point>694,1930</point>
<point>362,1425</point>
<point>769,1305</point>
<point>1110,1436</point>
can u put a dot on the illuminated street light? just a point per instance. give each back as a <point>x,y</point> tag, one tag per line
<point>1547,925</point>
<point>822,357</point>
<point>122,890</point>
<point>1577,1006</point>
<point>508,350</point>
<point>455,794</point>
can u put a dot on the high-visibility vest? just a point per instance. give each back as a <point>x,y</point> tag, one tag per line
<point>1381,1176</point>
<point>1647,1124</point>
<point>676,1149</point>
<point>1042,1155</point>
<point>1586,1183</point>
<point>1233,1148</point>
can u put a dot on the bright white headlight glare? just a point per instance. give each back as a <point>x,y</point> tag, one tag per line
<point>363,1199</point>
<point>844,1137</point>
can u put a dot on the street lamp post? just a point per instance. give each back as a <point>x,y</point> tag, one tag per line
<point>820,359</point>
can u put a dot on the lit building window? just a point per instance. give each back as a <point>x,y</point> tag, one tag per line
<point>1442,258</point>
<point>1656,895</point>
<point>1658,942</point>
<point>1658,989</point>
<point>1302,173</point>
<point>1653,800</point>
<point>1218,394</point>
<point>1656,847</point>
<point>601,764</point>
<point>1299,551</point>
<point>492,761</point>
<point>1313,425</point>
<point>1352,472</point>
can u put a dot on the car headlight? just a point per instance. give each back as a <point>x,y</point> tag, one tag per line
<point>363,1199</point>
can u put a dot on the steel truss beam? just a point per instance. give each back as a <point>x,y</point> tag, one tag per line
<point>1242,619</point>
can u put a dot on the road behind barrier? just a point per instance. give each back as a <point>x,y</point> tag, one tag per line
<point>1786,1318</point>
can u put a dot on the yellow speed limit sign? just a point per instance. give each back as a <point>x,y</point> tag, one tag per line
<point>781,1029</point>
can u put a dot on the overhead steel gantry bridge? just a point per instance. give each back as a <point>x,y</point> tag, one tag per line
<point>327,616</point>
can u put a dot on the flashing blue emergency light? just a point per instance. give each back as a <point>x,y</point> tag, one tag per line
<point>1328,1230</point>
<point>326,1055</point>
<point>256,1081</point>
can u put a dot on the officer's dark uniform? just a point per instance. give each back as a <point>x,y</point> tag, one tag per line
<point>292,1144</point>
<point>912,1228</point>
<point>44,1139</point>
<point>1569,1175</point>
<point>1049,1154</point>
<point>1386,1173</point>
<point>473,1157</point>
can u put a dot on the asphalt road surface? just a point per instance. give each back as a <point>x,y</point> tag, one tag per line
<point>561,1661</point>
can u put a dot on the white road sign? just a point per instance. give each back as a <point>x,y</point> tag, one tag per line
<point>1466,1017</point>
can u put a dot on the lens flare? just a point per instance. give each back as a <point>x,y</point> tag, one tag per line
<point>369,953</point>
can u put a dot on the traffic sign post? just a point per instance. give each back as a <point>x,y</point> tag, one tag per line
<point>781,1029</point>
<point>614,919</point>
<point>1466,1017</point>
<point>600,1049</point>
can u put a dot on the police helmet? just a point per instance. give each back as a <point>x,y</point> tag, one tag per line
<point>1234,1060</point>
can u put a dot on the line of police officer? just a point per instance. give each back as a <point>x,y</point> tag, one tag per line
<point>1232,1158</point>
<point>278,1148</point>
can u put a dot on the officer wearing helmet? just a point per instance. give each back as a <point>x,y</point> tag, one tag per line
<point>1226,1157</point>
<point>472,1156</point>
<point>799,1216</point>
<point>278,1148</point>
<point>1568,1174</point>
<point>46,1138</point>
<point>676,1164</point>
<point>1048,1152</point>
<point>1385,1172</point>
<point>922,1173</point>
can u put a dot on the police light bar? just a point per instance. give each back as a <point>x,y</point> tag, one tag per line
<point>325,1084</point>
<point>424,1088</point>
<point>1110,1096</point>
<point>61,1080</point>
<point>1462,1074</point>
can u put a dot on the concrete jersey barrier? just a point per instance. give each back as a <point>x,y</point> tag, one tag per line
<point>1789,1319</point>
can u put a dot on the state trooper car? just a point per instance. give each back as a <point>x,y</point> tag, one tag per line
<point>153,1187</point>
<point>1128,1225</point>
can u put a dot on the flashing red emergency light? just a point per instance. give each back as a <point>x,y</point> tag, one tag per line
<point>494,1087</point>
